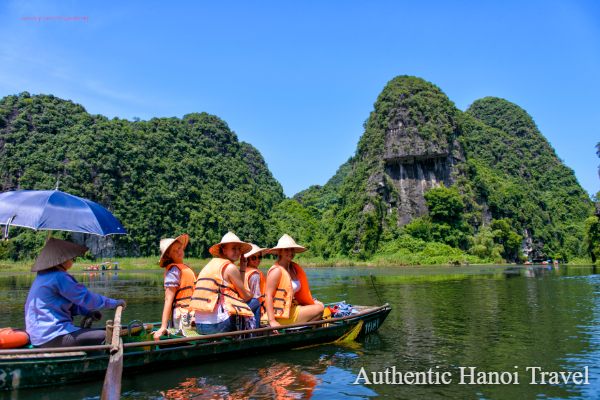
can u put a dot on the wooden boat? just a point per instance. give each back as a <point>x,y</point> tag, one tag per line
<point>22,368</point>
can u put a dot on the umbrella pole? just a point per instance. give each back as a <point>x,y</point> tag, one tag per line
<point>6,229</point>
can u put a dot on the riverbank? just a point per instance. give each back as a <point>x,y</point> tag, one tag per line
<point>151,263</point>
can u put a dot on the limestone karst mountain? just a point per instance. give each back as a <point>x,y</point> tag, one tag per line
<point>484,181</point>
<point>415,140</point>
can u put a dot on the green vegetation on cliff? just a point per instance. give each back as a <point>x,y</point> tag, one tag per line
<point>519,176</point>
<point>160,177</point>
<point>353,212</point>
<point>506,190</point>
<point>428,183</point>
<point>592,226</point>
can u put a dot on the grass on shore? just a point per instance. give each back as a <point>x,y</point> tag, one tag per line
<point>151,263</point>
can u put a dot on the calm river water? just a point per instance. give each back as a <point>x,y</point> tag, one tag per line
<point>502,319</point>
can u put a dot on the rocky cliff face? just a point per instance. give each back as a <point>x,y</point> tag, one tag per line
<point>419,150</point>
<point>409,146</point>
<point>99,246</point>
<point>414,163</point>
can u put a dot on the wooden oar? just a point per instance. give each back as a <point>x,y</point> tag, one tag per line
<point>111,390</point>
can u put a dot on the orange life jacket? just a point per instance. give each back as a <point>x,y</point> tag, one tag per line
<point>249,273</point>
<point>289,382</point>
<point>262,285</point>
<point>183,296</point>
<point>284,294</point>
<point>211,287</point>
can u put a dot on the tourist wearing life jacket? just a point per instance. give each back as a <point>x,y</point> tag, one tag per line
<point>287,295</point>
<point>56,297</point>
<point>179,286</point>
<point>220,297</point>
<point>254,279</point>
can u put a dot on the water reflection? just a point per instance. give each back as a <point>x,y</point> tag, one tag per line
<point>492,318</point>
<point>279,381</point>
<point>98,276</point>
<point>590,355</point>
<point>262,378</point>
<point>494,325</point>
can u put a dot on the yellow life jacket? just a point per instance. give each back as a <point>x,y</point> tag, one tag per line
<point>211,287</point>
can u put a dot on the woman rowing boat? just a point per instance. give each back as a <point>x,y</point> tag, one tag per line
<point>56,297</point>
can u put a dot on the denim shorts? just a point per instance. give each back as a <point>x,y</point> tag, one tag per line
<point>209,329</point>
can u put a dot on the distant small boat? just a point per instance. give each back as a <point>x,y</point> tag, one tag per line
<point>105,266</point>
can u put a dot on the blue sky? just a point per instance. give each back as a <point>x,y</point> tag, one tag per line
<point>298,79</point>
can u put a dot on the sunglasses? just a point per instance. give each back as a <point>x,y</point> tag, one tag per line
<point>255,258</point>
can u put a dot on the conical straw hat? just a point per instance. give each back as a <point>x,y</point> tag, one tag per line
<point>255,250</point>
<point>229,237</point>
<point>286,242</point>
<point>56,252</point>
<point>165,244</point>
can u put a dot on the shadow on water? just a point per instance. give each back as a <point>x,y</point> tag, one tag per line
<point>489,318</point>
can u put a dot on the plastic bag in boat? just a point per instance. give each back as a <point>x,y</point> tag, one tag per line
<point>342,309</point>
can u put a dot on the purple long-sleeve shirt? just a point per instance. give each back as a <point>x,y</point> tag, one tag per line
<point>54,298</point>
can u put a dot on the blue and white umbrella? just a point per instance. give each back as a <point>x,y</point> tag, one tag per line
<point>54,210</point>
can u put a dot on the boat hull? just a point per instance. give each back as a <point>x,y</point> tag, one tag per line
<point>18,372</point>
